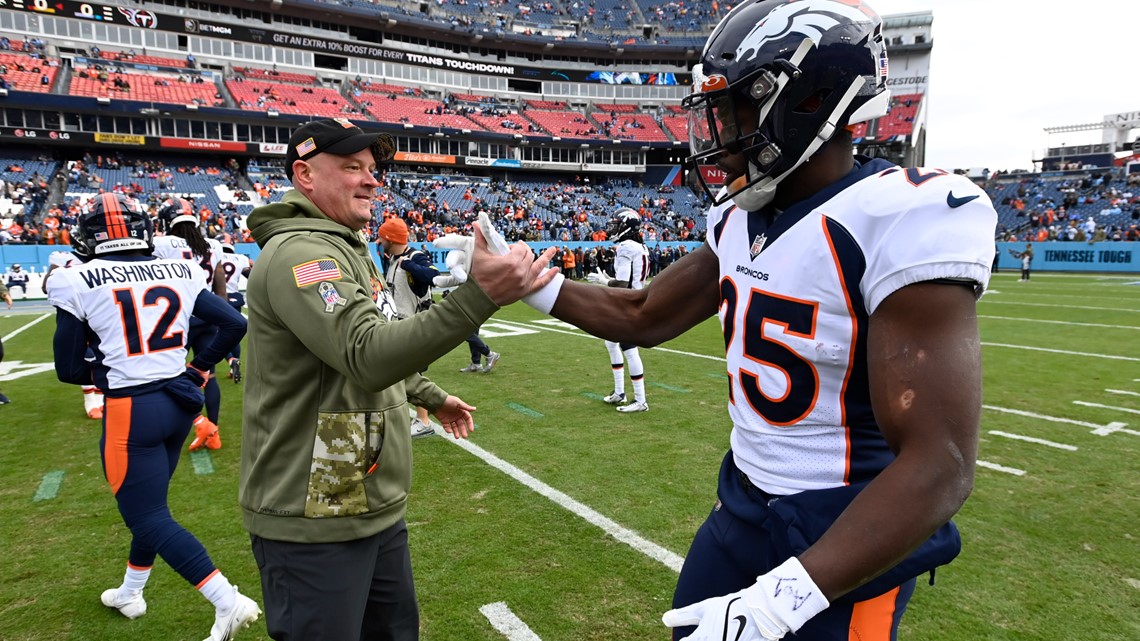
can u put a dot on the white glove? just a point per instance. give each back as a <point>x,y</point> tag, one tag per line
<point>598,277</point>
<point>463,247</point>
<point>779,602</point>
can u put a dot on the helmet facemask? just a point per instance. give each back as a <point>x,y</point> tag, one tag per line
<point>803,82</point>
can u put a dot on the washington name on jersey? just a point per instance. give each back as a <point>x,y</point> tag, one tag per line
<point>134,308</point>
<point>796,292</point>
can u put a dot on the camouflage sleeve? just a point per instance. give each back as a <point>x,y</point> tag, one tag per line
<point>316,292</point>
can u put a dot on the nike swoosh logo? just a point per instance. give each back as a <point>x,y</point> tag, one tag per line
<point>955,202</point>
<point>739,631</point>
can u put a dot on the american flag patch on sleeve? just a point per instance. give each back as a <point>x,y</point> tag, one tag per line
<point>315,271</point>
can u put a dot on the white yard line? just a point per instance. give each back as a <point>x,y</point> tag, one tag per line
<point>592,516</point>
<point>1000,468</point>
<point>1002,301</point>
<point>1113,357</point>
<point>1120,391</point>
<point>1031,439</point>
<point>1099,430</point>
<point>508,625</point>
<point>1107,407</point>
<point>17,331</point>
<point>1057,322</point>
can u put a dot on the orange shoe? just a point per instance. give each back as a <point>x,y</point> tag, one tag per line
<point>214,442</point>
<point>204,430</point>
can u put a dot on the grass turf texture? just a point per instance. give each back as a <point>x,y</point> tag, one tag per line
<point>1047,555</point>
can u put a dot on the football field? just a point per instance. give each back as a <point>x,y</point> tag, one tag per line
<point>563,520</point>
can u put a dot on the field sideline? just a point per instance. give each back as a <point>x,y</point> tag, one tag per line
<point>567,519</point>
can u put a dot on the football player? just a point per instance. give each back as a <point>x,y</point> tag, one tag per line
<point>133,311</point>
<point>182,239</point>
<point>631,267</point>
<point>7,298</point>
<point>846,288</point>
<point>92,395</point>
<point>236,266</point>
<point>17,277</point>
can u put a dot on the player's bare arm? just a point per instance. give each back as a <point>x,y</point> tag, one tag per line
<point>680,297</point>
<point>219,281</point>
<point>924,366</point>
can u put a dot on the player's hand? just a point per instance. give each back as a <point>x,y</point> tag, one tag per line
<point>598,277</point>
<point>779,602</point>
<point>455,417</point>
<point>198,376</point>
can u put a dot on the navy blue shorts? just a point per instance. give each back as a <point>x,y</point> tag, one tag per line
<point>748,533</point>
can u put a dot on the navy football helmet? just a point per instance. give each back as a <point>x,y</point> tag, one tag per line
<point>174,211</point>
<point>113,223</point>
<point>806,67</point>
<point>625,224</point>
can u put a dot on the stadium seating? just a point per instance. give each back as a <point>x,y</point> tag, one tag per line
<point>145,87</point>
<point>566,124</point>
<point>416,111</point>
<point>272,75</point>
<point>142,59</point>
<point>32,76</point>
<point>253,95</point>
<point>677,126</point>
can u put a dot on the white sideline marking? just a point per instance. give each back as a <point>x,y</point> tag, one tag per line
<point>623,534</point>
<point>1133,582</point>
<point>495,329</point>
<point>1057,322</point>
<point>1061,351</point>
<point>585,335</point>
<point>1039,441</point>
<point>1001,468</point>
<point>1107,407</point>
<point>508,625</point>
<point>1051,305</point>
<point>1099,430</point>
<point>1120,391</point>
<point>17,331</point>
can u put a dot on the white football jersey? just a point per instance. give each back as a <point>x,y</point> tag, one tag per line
<point>139,311</point>
<point>797,291</point>
<point>234,265</point>
<point>62,259</point>
<point>631,263</point>
<point>174,247</point>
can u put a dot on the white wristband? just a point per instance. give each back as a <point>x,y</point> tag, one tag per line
<point>786,599</point>
<point>543,299</point>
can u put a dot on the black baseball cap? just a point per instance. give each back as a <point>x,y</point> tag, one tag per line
<point>335,136</point>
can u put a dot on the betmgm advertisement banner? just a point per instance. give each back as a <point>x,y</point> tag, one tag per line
<point>1072,257</point>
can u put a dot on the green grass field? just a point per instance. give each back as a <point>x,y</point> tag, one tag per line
<point>1051,534</point>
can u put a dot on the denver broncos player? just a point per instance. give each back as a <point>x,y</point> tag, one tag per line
<point>92,396</point>
<point>133,311</point>
<point>846,289</point>
<point>631,266</point>
<point>182,239</point>
<point>235,267</point>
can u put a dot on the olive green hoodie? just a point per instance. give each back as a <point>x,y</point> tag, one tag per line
<point>326,445</point>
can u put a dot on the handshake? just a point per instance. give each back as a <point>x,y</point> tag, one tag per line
<point>506,273</point>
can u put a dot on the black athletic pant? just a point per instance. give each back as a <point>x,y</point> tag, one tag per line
<point>478,347</point>
<point>360,589</point>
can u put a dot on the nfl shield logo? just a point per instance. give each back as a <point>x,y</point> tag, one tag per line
<point>758,245</point>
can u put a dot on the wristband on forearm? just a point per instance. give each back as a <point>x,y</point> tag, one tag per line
<point>784,599</point>
<point>543,300</point>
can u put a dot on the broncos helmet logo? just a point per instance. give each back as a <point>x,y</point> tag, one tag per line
<point>810,18</point>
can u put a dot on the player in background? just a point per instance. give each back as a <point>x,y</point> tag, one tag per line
<point>92,396</point>
<point>183,239</point>
<point>631,267</point>
<point>236,266</point>
<point>847,292</point>
<point>17,277</point>
<point>133,311</point>
<point>7,298</point>
<point>1026,258</point>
